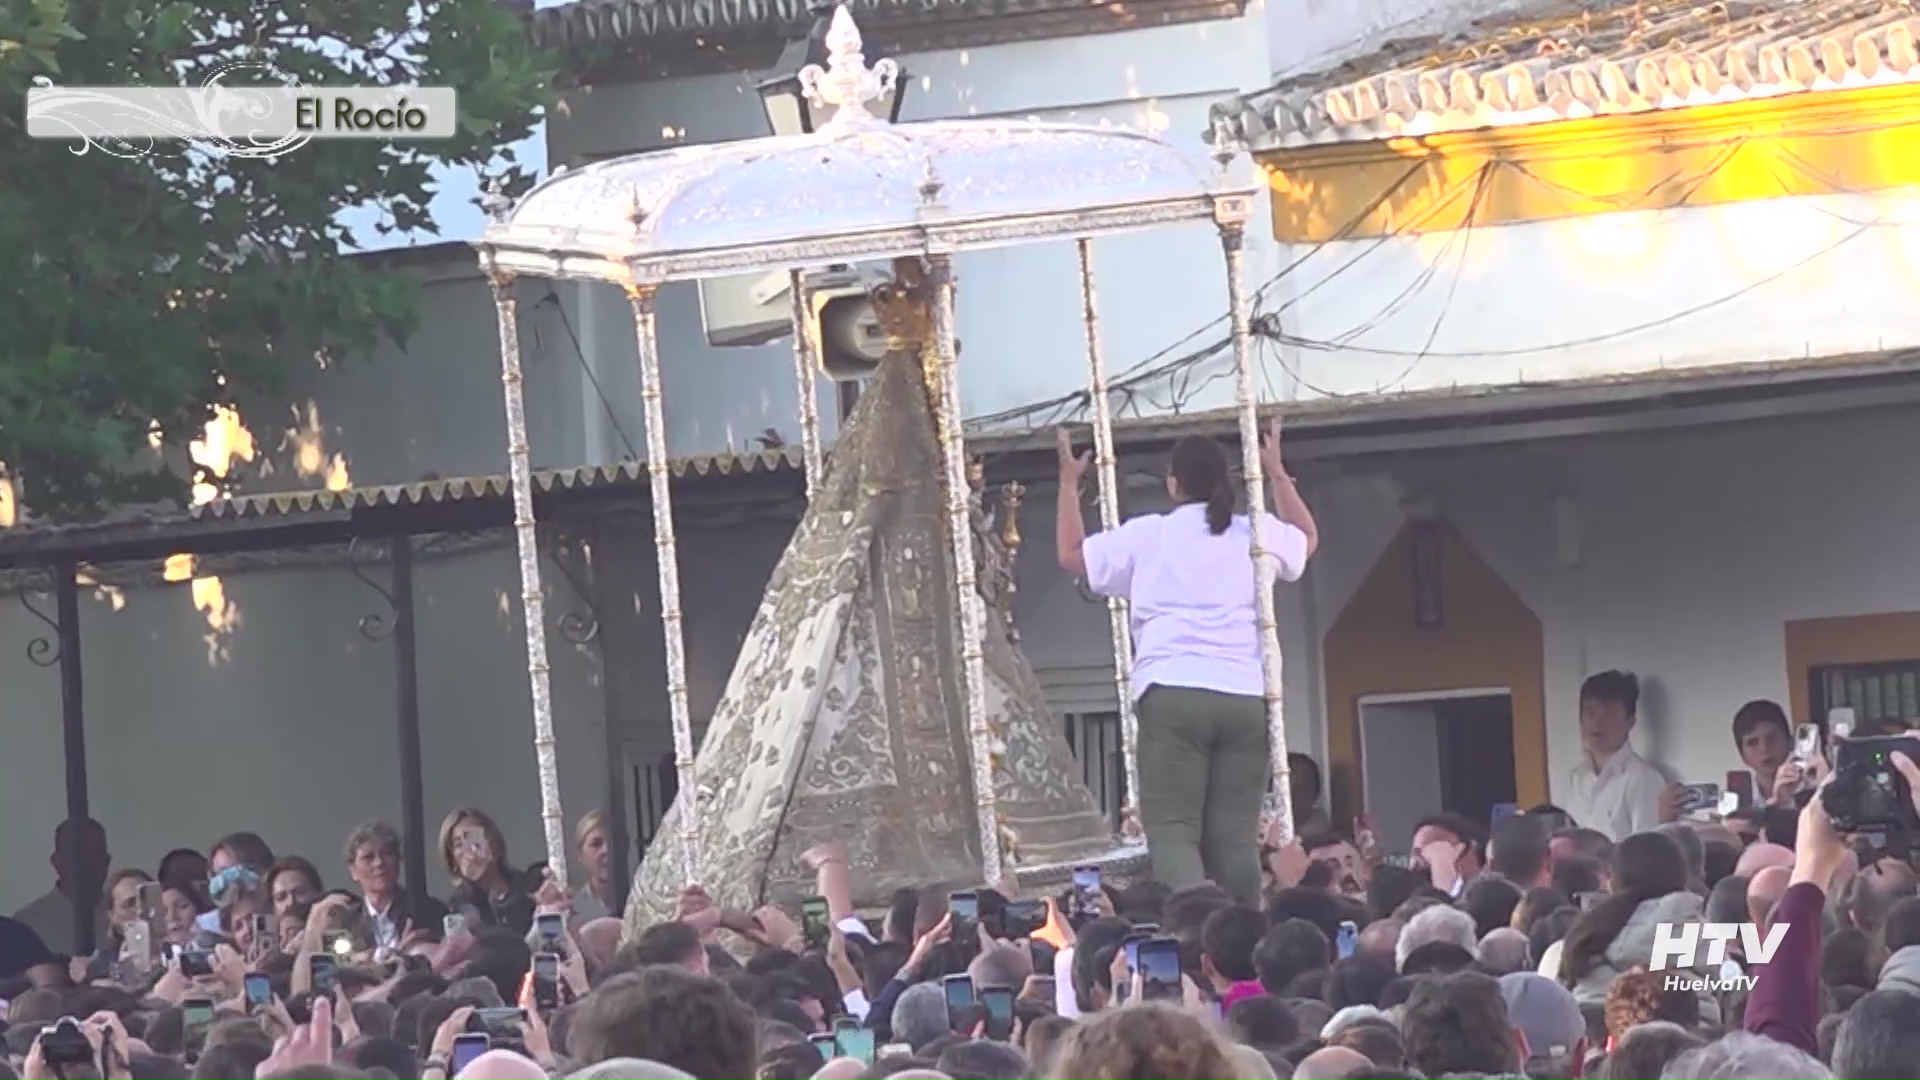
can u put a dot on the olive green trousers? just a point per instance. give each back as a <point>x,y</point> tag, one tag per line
<point>1204,775</point>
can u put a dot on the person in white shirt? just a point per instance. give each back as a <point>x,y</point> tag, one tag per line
<point>1613,790</point>
<point>1197,677</point>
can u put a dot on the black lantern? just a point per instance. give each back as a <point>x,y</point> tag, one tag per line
<point>787,108</point>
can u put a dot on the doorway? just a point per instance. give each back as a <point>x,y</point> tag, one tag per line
<point>1420,753</point>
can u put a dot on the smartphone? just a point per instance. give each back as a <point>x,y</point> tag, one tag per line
<point>553,930</point>
<point>337,943</point>
<point>505,1022</point>
<point>1806,742</point>
<point>963,913</point>
<point>824,1044</point>
<point>1159,969</point>
<point>465,1049</point>
<point>259,991</point>
<point>149,901</point>
<point>999,1003</point>
<point>1086,891</point>
<point>1840,722</point>
<point>1740,786</point>
<point>1404,862</point>
<point>196,1016</point>
<point>959,990</point>
<point>1131,946</point>
<point>851,1040</point>
<point>1366,838</point>
<point>1698,798</point>
<point>816,925</point>
<point>136,946</point>
<point>453,926</point>
<point>1347,938</point>
<point>323,974</point>
<point>1022,918</point>
<point>546,981</point>
<point>1043,955</point>
<point>196,963</point>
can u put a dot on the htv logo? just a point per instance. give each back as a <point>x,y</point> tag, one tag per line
<point>1678,944</point>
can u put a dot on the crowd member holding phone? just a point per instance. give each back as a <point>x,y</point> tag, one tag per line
<point>1197,677</point>
<point>485,888</point>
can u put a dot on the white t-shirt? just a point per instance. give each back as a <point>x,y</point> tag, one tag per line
<point>1191,595</point>
<point>1621,799</point>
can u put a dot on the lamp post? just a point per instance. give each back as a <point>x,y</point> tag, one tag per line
<point>788,110</point>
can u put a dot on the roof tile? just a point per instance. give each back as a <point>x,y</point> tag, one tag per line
<point>1568,61</point>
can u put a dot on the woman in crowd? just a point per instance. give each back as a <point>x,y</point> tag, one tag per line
<point>1617,934</point>
<point>181,905</point>
<point>485,888</point>
<point>292,882</point>
<point>1197,678</point>
<point>595,898</point>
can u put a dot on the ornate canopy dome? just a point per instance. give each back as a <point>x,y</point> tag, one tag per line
<point>859,188</point>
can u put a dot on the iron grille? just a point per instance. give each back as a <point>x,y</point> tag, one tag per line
<point>1095,740</point>
<point>1879,694</point>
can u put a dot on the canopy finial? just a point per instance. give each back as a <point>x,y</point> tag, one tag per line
<point>847,84</point>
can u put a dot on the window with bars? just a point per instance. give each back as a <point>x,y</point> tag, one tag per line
<point>1879,694</point>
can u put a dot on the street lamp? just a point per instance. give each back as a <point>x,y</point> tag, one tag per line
<point>785,102</point>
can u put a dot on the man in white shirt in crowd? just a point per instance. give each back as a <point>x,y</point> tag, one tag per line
<point>1613,789</point>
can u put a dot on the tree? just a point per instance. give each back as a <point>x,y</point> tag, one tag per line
<point>140,291</point>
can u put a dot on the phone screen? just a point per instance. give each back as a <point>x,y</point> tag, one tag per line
<point>1159,969</point>
<point>323,974</point>
<point>826,1045</point>
<point>963,910</point>
<point>999,1003</point>
<point>196,1016</point>
<point>959,990</point>
<point>546,980</point>
<point>149,899</point>
<point>853,1041</point>
<point>816,928</point>
<point>1086,890</point>
<point>1347,939</point>
<point>465,1049</point>
<point>1131,945</point>
<point>1023,917</point>
<point>453,926</point>
<point>552,927</point>
<point>1806,742</point>
<point>259,990</point>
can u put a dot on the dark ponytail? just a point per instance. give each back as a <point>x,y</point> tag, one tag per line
<point>1200,473</point>
<point>1220,507</point>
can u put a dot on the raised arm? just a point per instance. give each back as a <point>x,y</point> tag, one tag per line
<point>1069,528</point>
<point>1288,506</point>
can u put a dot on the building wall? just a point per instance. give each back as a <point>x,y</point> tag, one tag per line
<point>281,720</point>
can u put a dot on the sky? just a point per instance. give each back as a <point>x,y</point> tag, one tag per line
<point>453,204</point>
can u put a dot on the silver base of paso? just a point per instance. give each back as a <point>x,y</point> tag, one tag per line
<point>1125,861</point>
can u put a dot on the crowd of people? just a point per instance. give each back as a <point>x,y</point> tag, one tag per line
<point>1522,947</point>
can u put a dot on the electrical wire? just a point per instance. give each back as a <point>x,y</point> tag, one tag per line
<point>580,357</point>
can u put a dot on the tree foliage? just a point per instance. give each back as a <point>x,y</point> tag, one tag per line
<point>139,292</point>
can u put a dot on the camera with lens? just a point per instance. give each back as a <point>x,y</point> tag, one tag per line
<point>1867,794</point>
<point>63,1044</point>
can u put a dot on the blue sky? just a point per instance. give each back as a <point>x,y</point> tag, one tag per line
<point>453,202</point>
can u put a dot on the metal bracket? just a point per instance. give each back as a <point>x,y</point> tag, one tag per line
<point>41,651</point>
<point>572,557</point>
<point>374,626</point>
